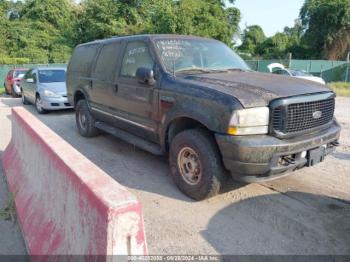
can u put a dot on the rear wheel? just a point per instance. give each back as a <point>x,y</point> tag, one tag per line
<point>39,105</point>
<point>13,93</point>
<point>6,91</point>
<point>24,99</point>
<point>84,120</point>
<point>196,164</point>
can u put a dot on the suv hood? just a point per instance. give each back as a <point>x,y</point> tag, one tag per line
<point>255,89</point>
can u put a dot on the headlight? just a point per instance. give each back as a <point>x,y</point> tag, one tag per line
<point>49,93</point>
<point>252,121</point>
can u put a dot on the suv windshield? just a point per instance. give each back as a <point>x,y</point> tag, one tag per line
<point>50,76</point>
<point>181,55</point>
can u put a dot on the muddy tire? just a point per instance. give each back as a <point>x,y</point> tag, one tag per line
<point>84,120</point>
<point>196,165</point>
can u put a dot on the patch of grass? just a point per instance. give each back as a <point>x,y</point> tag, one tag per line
<point>9,211</point>
<point>341,88</point>
<point>2,90</point>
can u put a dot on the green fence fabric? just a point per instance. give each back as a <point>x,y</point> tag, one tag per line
<point>4,69</point>
<point>330,71</point>
<point>337,74</point>
<point>261,65</point>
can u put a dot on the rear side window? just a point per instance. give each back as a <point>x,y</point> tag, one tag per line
<point>136,55</point>
<point>30,74</point>
<point>27,75</point>
<point>82,58</point>
<point>105,67</point>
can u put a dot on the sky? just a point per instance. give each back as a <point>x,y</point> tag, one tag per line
<point>271,15</point>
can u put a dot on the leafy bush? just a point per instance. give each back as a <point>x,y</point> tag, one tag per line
<point>341,88</point>
<point>13,60</point>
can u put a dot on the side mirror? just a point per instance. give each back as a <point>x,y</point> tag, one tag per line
<point>30,80</point>
<point>145,76</point>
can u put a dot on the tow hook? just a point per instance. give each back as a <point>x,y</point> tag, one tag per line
<point>289,160</point>
<point>335,143</point>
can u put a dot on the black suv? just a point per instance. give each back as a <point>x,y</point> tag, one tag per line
<point>196,100</point>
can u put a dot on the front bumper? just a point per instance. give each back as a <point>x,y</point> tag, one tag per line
<point>50,103</point>
<point>258,158</point>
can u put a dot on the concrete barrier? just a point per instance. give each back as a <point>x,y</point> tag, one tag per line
<point>65,204</point>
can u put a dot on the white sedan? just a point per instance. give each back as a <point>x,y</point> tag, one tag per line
<point>279,69</point>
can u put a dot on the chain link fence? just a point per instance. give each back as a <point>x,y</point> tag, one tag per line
<point>330,71</point>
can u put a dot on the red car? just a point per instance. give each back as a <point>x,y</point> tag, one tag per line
<point>12,81</point>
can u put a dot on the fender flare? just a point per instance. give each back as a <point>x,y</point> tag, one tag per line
<point>184,112</point>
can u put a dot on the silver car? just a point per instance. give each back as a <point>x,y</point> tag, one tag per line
<point>46,88</point>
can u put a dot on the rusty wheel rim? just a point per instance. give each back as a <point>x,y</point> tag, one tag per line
<point>189,166</point>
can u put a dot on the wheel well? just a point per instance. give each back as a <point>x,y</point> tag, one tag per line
<point>181,124</point>
<point>78,96</point>
<point>37,94</point>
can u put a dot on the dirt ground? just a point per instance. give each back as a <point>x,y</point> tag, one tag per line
<point>305,213</point>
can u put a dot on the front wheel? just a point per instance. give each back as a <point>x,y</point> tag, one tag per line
<point>39,105</point>
<point>24,99</point>
<point>84,120</point>
<point>196,165</point>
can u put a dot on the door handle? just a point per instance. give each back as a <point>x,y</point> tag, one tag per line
<point>116,87</point>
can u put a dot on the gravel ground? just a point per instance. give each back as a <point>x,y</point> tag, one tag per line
<point>305,213</point>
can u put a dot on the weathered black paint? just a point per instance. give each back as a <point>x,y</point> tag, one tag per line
<point>205,100</point>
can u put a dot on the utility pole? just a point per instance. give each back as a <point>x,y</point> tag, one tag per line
<point>290,55</point>
<point>347,67</point>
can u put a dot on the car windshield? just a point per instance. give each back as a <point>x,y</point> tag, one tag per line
<point>19,73</point>
<point>299,73</point>
<point>50,76</point>
<point>197,55</point>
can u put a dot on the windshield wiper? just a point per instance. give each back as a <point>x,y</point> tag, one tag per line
<point>239,69</point>
<point>202,70</point>
<point>208,70</point>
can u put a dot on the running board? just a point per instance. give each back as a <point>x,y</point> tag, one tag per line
<point>131,139</point>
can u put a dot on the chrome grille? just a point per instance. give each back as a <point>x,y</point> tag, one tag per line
<point>295,118</point>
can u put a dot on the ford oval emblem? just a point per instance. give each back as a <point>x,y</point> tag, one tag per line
<point>317,114</point>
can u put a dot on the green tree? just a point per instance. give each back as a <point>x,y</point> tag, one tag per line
<point>274,47</point>
<point>99,19</point>
<point>3,8</point>
<point>42,32</point>
<point>57,13</point>
<point>104,18</point>
<point>252,37</point>
<point>327,24</point>
<point>37,41</point>
<point>46,31</point>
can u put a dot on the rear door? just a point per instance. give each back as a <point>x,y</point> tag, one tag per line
<point>79,70</point>
<point>104,85</point>
<point>135,103</point>
<point>28,87</point>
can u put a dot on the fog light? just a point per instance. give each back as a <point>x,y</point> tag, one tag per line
<point>303,154</point>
